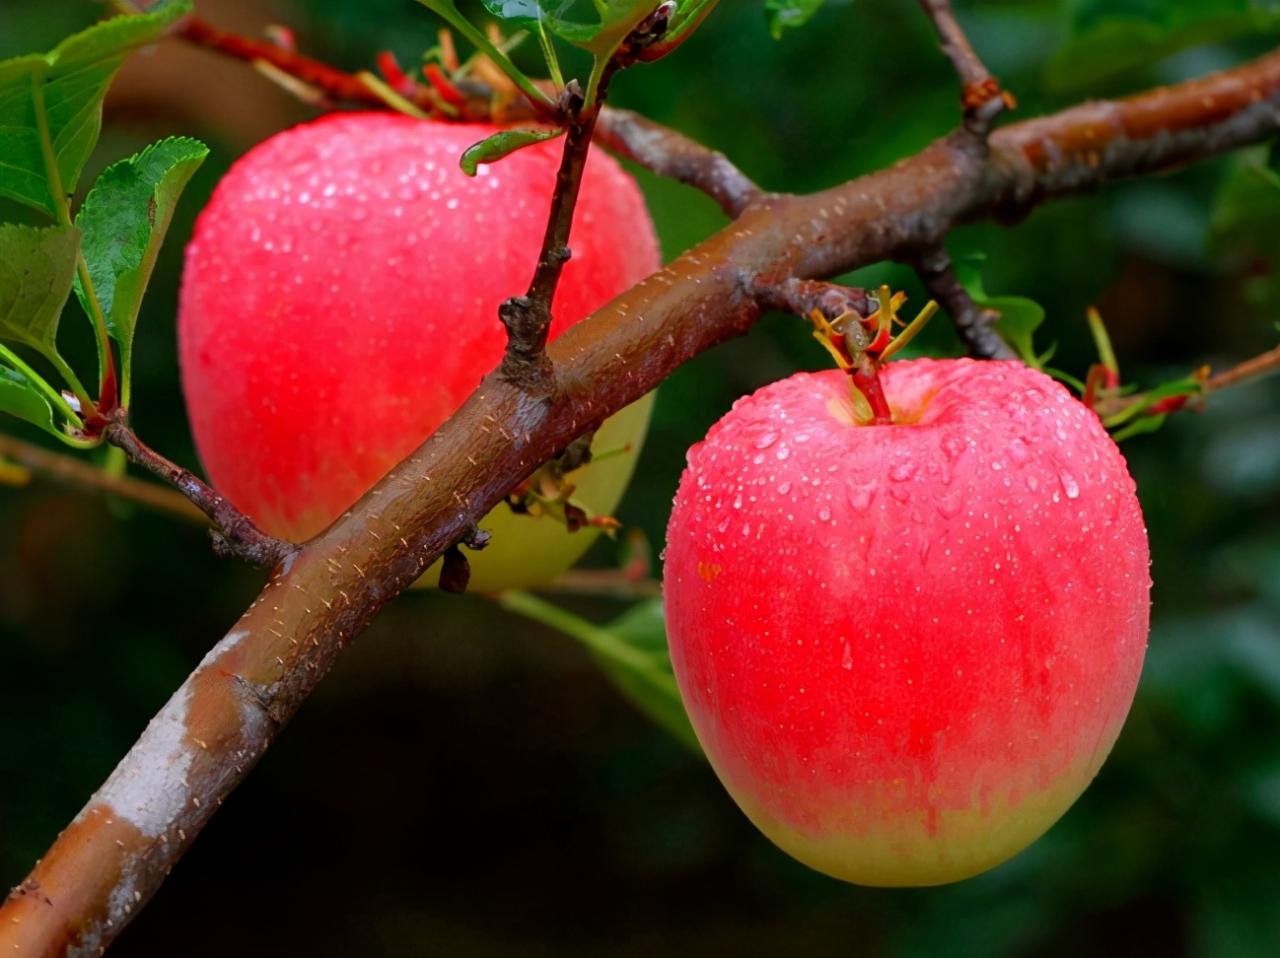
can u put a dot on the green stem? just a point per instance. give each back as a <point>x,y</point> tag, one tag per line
<point>601,641</point>
<point>106,362</point>
<point>549,54</point>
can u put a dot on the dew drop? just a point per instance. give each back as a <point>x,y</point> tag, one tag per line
<point>1069,485</point>
<point>846,660</point>
<point>860,495</point>
<point>1019,452</point>
<point>902,471</point>
<point>766,440</point>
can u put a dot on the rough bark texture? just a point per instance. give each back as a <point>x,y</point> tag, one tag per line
<point>116,853</point>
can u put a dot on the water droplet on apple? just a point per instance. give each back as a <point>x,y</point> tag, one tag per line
<point>766,440</point>
<point>860,495</point>
<point>950,503</point>
<point>1069,484</point>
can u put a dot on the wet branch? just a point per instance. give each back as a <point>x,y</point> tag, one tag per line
<point>668,153</point>
<point>527,318</point>
<point>116,853</point>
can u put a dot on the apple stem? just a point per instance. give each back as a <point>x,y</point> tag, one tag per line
<point>865,378</point>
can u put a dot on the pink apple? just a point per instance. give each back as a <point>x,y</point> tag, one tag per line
<point>907,648</point>
<point>340,300</point>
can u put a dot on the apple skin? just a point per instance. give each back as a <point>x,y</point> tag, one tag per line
<point>907,649</point>
<point>340,301</point>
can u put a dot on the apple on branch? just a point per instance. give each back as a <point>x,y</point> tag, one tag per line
<point>907,626</point>
<point>340,300</point>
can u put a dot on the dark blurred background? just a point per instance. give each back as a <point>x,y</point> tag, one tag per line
<point>467,783</point>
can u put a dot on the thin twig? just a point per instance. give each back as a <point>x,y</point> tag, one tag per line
<point>668,153</point>
<point>75,472</point>
<point>234,533</point>
<point>975,326</point>
<point>527,318</point>
<point>981,96</point>
<point>1266,364</point>
<point>116,853</point>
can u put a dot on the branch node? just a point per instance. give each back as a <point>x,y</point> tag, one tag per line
<point>981,97</point>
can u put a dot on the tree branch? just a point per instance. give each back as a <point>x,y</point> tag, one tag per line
<point>975,326</point>
<point>117,851</point>
<point>233,533</point>
<point>73,471</point>
<point>668,153</point>
<point>1267,364</point>
<point>981,96</point>
<point>527,318</point>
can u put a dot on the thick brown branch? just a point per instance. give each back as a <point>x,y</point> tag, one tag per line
<point>234,534</point>
<point>73,471</point>
<point>668,153</point>
<point>975,326</point>
<point>115,855</point>
<point>981,96</point>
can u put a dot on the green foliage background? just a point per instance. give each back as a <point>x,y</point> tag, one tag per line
<point>467,783</point>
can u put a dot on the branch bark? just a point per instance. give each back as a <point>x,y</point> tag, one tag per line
<point>117,851</point>
<point>974,326</point>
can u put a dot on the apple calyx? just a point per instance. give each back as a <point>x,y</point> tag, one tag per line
<point>861,344</point>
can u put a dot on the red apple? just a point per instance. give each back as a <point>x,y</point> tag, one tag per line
<point>340,300</point>
<point>907,648</point>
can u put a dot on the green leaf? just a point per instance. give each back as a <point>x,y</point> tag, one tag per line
<point>19,397</point>
<point>501,144</point>
<point>1114,37</point>
<point>596,25</point>
<point>36,269</point>
<point>631,651</point>
<point>782,15</point>
<point>1245,226</point>
<point>51,106</point>
<point>1019,317</point>
<point>123,221</point>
